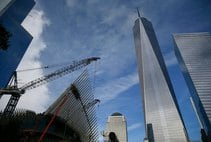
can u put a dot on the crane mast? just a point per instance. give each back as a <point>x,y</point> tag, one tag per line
<point>16,92</point>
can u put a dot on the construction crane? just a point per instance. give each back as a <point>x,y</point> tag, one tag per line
<point>16,92</point>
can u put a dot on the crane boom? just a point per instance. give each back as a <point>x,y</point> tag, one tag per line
<point>58,73</point>
<point>16,92</point>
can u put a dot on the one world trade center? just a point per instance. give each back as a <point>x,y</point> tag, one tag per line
<point>163,121</point>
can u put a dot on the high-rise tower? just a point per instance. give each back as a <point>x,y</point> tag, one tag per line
<point>117,126</point>
<point>4,5</point>
<point>163,122</point>
<point>12,14</point>
<point>193,51</point>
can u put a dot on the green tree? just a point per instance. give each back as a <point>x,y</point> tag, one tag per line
<point>4,37</point>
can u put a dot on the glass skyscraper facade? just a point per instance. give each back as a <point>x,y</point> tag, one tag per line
<point>163,122</point>
<point>193,51</point>
<point>13,14</point>
<point>4,4</point>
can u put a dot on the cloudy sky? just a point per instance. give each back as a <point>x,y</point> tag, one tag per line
<point>67,30</point>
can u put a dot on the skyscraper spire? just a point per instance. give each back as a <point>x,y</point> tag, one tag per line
<point>138,12</point>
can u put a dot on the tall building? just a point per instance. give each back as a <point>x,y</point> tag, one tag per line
<point>163,122</point>
<point>4,4</point>
<point>116,124</point>
<point>193,51</point>
<point>13,12</point>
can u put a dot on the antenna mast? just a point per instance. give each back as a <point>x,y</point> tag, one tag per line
<point>138,12</point>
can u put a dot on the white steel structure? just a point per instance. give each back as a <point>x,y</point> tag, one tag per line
<point>78,111</point>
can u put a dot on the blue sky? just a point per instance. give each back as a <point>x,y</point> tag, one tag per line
<point>67,30</point>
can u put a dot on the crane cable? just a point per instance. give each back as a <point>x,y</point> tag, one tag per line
<point>44,67</point>
<point>31,69</point>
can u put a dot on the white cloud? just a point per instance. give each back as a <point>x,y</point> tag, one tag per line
<point>170,59</point>
<point>112,89</point>
<point>134,126</point>
<point>71,3</point>
<point>114,14</point>
<point>35,99</point>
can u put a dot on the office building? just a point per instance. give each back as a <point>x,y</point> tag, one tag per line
<point>193,51</point>
<point>12,15</point>
<point>4,4</point>
<point>163,122</point>
<point>116,125</point>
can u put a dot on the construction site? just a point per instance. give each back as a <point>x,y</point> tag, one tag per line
<point>71,118</point>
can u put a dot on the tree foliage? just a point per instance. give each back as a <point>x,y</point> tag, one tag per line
<point>4,37</point>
